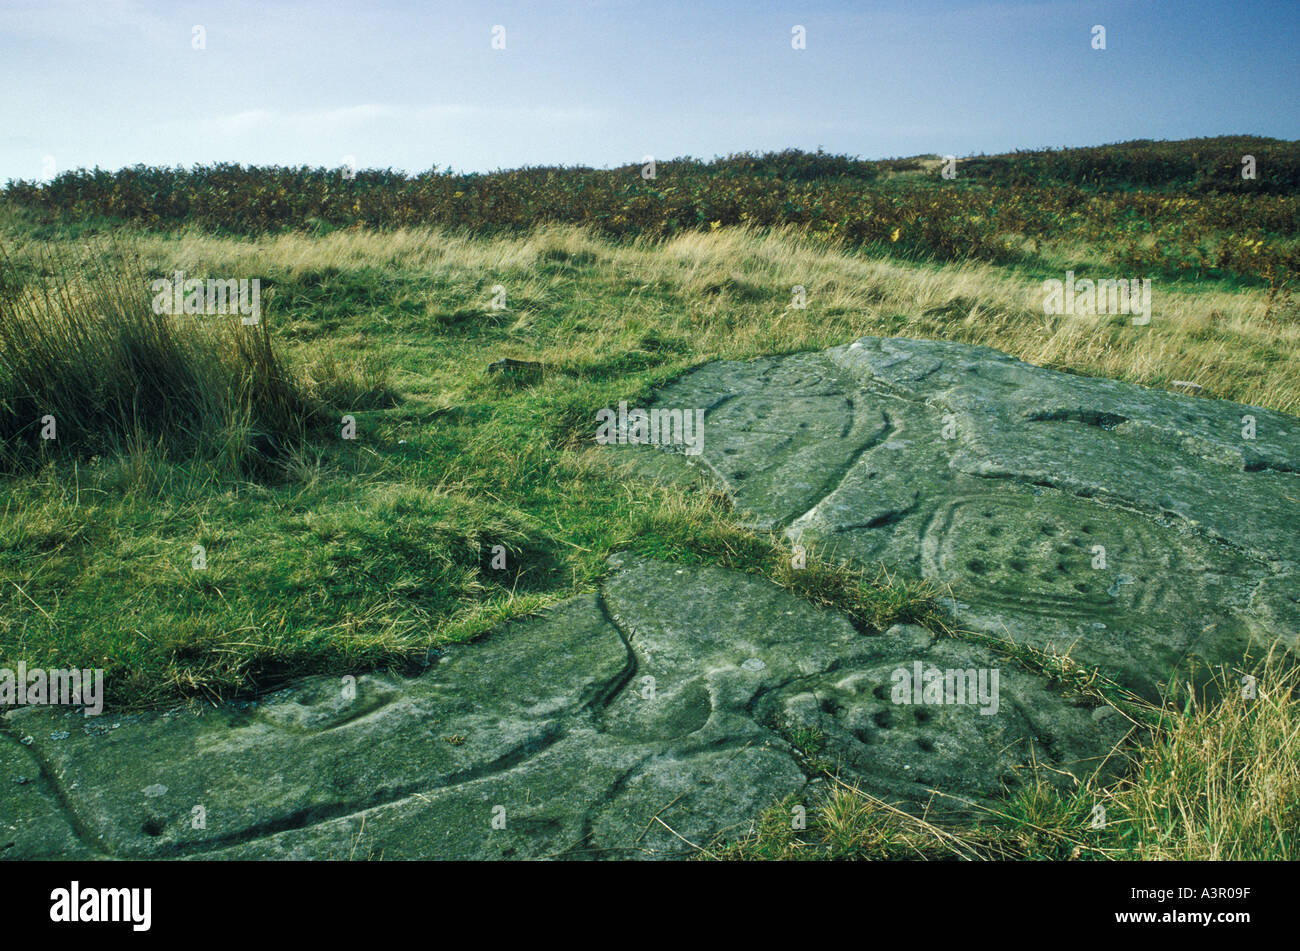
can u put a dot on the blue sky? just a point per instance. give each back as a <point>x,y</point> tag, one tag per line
<point>606,82</point>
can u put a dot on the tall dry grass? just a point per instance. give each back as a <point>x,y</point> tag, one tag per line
<point>733,288</point>
<point>1221,778</point>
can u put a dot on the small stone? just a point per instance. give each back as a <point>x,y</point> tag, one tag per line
<point>509,367</point>
<point>1121,579</point>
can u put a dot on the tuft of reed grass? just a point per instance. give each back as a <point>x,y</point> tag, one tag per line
<point>86,350</point>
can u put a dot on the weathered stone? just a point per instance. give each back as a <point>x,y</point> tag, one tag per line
<point>309,753</point>
<point>852,719</point>
<point>32,821</point>
<point>1137,530</point>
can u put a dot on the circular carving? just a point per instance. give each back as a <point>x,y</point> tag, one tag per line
<point>1050,554</point>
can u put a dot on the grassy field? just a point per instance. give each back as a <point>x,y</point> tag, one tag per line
<point>326,554</point>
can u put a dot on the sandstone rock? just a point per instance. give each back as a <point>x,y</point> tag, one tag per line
<point>1137,530</point>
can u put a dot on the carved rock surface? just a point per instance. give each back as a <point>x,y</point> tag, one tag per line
<point>1138,531</point>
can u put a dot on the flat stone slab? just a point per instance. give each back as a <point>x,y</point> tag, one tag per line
<point>644,720</point>
<point>1138,531</point>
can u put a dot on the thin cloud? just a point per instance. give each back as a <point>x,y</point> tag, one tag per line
<point>346,119</point>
